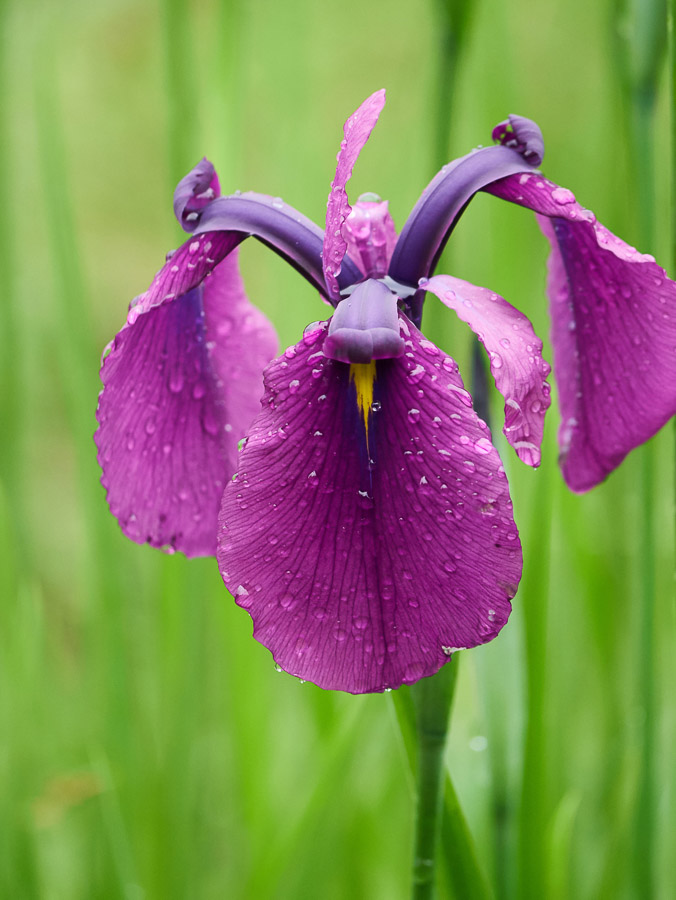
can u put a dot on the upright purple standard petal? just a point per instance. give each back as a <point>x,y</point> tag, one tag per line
<point>369,531</point>
<point>356,132</point>
<point>614,333</point>
<point>182,382</point>
<point>370,235</point>
<point>515,354</point>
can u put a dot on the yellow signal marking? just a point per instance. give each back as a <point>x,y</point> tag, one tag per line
<point>363,375</point>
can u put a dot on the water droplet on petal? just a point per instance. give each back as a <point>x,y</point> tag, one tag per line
<point>563,196</point>
<point>176,380</point>
<point>416,374</point>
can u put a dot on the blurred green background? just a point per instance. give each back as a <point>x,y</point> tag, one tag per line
<point>148,747</point>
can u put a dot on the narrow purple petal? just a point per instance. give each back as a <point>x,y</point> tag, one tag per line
<point>356,132</point>
<point>370,235</point>
<point>193,192</point>
<point>515,354</point>
<point>366,558</point>
<point>614,333</point>
<point>182,382</point>
<point>441,204</point>
<point>282,228</point>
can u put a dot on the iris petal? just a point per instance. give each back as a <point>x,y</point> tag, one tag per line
<point>195,191</point>
<point>356,132</point>
<point>370,236</point>
<point>614,333</point>
<point>182,382</point>
<point>515,354</point>
<point>366,555</point>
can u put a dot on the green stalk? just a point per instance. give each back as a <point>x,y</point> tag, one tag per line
<point>432,698</point>
<point>533,814</point>
<point>640,59</point>
<point>418,707</point>
<point>71,340</point>
<point>181,88</point>
<point>452,26</point>
<point>11,381</point>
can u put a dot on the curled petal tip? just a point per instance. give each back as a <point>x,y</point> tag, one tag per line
<point>524,136</point>
<point>195,191</point>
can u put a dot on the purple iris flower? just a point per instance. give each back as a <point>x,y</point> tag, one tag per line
<point>368,527</point>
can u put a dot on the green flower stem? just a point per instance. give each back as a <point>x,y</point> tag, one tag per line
<point>453,20</point>
<point>422,714</point>
<point>182,112</point>
<point>533,595</point>
<point>432,698</point>
<point>643,99</point>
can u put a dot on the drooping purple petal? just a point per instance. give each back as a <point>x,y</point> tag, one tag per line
<point>182,382</point>
<point>366,558</point>
<point>614,333</point>
<point>195,191</point>
<point>370,235</point>
<point>356,132</point>
<point>515,354</point>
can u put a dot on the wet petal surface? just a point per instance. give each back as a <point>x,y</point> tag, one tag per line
<point>181,384</point>
<point>356,132</point>
<point>614,333</point>
<point>185,269</point>
<point>370,236</point>
<point>515,354</point>
<point>370,539</point>
<point>195,191</point>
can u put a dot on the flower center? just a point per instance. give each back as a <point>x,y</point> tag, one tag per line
<point>365,325</point>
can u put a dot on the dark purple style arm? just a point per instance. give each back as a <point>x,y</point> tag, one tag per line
<point>441,204</point>
<point>282,228</point>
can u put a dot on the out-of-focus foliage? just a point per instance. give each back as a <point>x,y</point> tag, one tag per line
<point>148,748</point>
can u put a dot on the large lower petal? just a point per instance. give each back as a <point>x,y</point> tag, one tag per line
<point>614,333</point>
<point>182,382</point>
<point>515,354</point>
<point>369,530</point>
<point>356,131</point>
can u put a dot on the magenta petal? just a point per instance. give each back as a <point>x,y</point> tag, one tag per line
<point>370,236</point>
<point>364,576</point>
<point>182,383</point>
<point>515,354</point>
<point>356,132</point>
<point>185,269</point>
<point>614,333</point>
